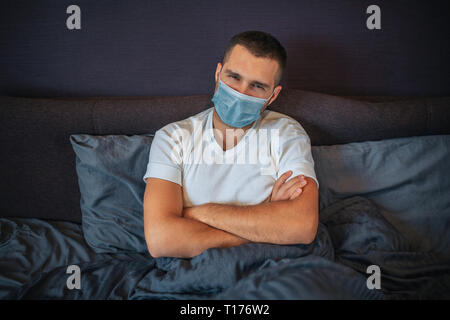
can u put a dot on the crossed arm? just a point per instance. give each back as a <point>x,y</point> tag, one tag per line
<point>171,230</point>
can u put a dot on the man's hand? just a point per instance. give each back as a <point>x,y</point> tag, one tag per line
<point>290,190</point>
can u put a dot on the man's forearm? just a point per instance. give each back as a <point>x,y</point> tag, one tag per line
<point>272,222</point>
<point>185,238</point>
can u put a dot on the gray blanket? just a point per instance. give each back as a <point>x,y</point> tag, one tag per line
<point>352,236</point>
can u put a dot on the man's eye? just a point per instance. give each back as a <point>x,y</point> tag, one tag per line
<point>258,86</point>
<point>234,77</point>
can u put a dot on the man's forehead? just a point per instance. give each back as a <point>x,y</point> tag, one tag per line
<point>256,69</point>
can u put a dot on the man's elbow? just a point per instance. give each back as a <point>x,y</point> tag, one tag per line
<point>154,246</point>
<point>157,244</point>
<point>152,252</point>
<point>161,244</point>
<point>174,252</point>
<point>159,249</point>
<point>306,231</point>
<point>311,235</point>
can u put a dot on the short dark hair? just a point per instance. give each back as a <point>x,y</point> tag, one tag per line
<point>260,44</point>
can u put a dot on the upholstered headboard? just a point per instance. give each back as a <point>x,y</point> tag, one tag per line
<point>38,164</point>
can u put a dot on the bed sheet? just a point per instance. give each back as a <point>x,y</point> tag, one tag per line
<point>352,235</point>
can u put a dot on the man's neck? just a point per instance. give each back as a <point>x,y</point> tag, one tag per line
<point>238,133</point>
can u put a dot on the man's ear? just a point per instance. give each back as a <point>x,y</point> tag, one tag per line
<point>216,75</point>
<point>274,97</point>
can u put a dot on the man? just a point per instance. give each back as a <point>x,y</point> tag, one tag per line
<point>190,206</point>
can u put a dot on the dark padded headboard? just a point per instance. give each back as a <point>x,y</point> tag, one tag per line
<point>38,164</point>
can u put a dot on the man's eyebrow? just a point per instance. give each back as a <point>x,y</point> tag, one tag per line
<point>262,84</point>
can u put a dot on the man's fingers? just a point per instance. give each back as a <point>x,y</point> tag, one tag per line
<point>291,189</point>
<point>291,183</point>
<point>288,192</point>
<point>296,193</point>
<point>281,180</point>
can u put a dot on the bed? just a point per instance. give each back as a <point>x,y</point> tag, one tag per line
<point>72,196</point>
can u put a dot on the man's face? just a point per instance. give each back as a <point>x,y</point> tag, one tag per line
<point>250,75</point>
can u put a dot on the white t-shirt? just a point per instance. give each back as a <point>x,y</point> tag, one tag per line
<point>187,153</point>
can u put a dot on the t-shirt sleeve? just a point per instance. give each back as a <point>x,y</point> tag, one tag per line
<point>165,158</point>
<point>295,152</point>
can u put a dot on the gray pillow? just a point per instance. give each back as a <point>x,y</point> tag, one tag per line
<point>407,178</point>
<point>110,170</point>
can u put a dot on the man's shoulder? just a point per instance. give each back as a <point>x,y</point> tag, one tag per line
<point>188,125</point>
<point>276,120</point>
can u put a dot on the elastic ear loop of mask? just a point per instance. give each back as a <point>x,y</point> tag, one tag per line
<point>221,67</point>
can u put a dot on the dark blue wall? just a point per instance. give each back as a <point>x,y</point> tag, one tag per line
<point>142,48</point>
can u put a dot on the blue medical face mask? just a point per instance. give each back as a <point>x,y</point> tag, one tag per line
<point>236,109</point>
